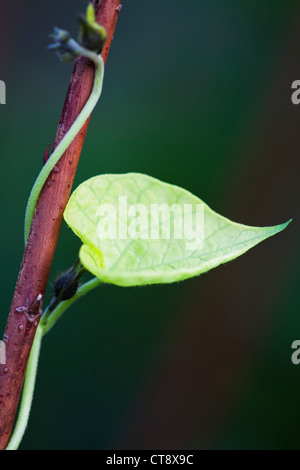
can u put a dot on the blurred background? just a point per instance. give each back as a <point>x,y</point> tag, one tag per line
<point>197,94</point>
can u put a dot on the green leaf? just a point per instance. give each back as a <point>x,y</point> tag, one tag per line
<point>128,243</point>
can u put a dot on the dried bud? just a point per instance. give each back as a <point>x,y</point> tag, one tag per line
<point>63,45</point>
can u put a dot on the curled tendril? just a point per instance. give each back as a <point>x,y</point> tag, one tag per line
<point>67,50</point>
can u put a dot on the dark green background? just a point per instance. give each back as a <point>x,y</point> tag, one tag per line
<point>198,94</point>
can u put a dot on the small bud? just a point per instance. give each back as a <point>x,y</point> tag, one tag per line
<point>60,35</point>
<point>92,36</point>
<point>65,287</point>
<point>67,57</point>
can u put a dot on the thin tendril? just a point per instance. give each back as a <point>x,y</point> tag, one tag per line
<point>66,141</point>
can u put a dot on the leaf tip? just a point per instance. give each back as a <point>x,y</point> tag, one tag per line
<point>284,225</point>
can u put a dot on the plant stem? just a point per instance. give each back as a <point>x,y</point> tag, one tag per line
<point>46,324</point>
<point>42,241</point>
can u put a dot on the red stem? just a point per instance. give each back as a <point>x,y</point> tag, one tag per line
<point>39,252</point>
